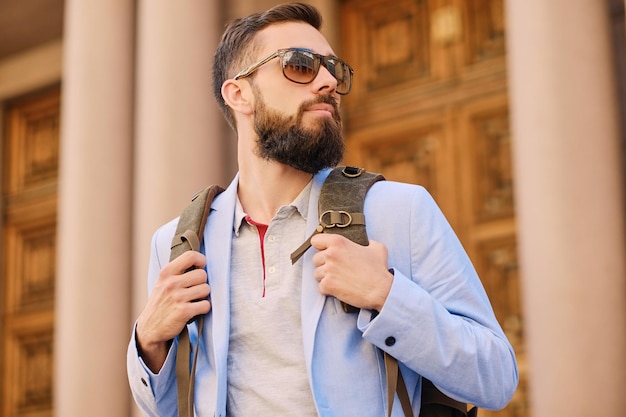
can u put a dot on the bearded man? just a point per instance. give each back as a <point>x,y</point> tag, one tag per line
<point>276,340</point>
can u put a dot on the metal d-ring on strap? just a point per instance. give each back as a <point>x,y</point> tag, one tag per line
<point>352,172</point>
<point>336,219</point>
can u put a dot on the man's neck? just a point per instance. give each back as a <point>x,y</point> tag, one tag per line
<point>267,186</point>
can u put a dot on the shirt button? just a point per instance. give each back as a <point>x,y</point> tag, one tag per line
<point>271,238</point>
<point>390,341</point>
<point>272,270</point>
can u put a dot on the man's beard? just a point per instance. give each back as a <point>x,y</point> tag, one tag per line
<point>285,140</point>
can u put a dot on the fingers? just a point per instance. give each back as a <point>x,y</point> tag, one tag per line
<point>334,247</point>
<point>185,271</point>
<point>177,296</point>
<point>178,281</point>
<point>322,241</point>
<point>329,246</point>
<point>191,309</point>
<point>195,293</point>
<point>188,260</point>
<point>351,272</point>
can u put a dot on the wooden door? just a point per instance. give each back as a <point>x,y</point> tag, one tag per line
<point>430,106</point>
<point>29,211</point>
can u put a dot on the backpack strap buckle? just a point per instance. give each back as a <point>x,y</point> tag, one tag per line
<point>352,172</point>
<point>336,218</point>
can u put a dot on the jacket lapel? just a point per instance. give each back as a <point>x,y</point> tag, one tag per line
<point>312,300</point>
<point>218,240</point>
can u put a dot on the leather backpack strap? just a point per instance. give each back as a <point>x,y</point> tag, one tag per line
<point>188,236</point>
<point>437,404</point>
<point>342,200</point>
<point>395,383</point>
<point>192,221</point>
<point>185,378</point>
<point>341,206</point>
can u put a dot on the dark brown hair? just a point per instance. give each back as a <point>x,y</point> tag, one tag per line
<point>235,48</point>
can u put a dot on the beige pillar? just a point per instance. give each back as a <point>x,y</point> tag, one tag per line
<point>569,206</point>
<point>94,229</point>
<point>182,140</point>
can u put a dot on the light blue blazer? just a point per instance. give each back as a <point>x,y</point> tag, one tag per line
<point>437,312</point>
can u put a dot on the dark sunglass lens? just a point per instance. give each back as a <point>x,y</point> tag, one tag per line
<point>300,66</point>
<point>341,71</point>
<point>335,69</point>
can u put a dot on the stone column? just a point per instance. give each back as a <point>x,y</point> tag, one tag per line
<point>182,140</point>
<point>569,206</point>
<point>94,229</point>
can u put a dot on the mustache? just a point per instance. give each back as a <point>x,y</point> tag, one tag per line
<point>322,99</point>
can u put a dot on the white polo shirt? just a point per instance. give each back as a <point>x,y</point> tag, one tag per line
<point>266,367</point>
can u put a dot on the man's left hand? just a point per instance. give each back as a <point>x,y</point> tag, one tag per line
<point>355,274</point>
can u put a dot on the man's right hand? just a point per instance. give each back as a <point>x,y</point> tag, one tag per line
<point>176,298</point>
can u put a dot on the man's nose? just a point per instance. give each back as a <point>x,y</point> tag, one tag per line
<point>324,81</point>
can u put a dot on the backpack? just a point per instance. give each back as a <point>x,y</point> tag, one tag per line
<point>341,204</point>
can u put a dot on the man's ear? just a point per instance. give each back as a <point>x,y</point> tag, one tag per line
<point>238,96</point>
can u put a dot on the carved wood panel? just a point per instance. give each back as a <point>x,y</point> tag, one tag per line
<point>484,30</point>
<point>28,369</point>
<point>32,155</point>
<point>395,43</point>
<point>414,151</point>
<point>496,260</point>
<point>430,106</point>
<point>485,159</point>
<point>29,211</point>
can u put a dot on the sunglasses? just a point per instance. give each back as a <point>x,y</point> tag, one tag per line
<point>302,66</point>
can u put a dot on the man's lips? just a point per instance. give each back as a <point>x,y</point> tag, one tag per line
<point>322,108</point>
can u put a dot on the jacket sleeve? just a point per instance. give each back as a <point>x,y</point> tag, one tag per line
<point>437,320</point>
<point>154,394</point>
